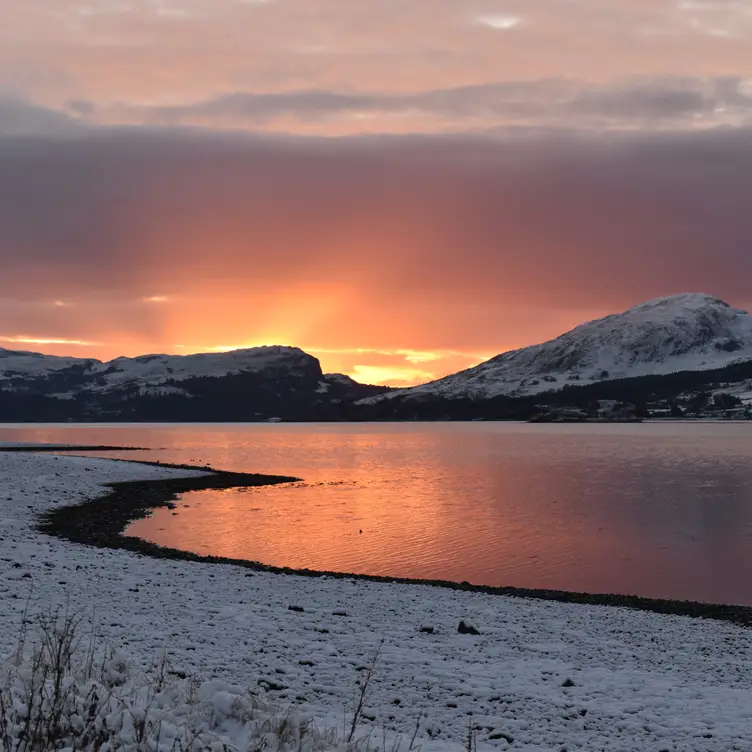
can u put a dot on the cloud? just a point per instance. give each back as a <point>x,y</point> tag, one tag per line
<point>720,18</point>
<point>380,67</point>
<point>20,118</point>
<point>390,376</point>
<point>510,187</point>
<point>410,229</point>
<point>500,21</point>
<point>410,254</point>
<point>28,340</point>
<point>667,101</point>
<point>414,357</point>
<point>637,103</point>
<point>104,7</point>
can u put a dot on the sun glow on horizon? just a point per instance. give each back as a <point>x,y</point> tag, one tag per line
<point>402,372</point>
<point>24,340</point>
<point>390,375</point>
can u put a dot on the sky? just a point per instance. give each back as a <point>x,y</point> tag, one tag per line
<point>402,188</point>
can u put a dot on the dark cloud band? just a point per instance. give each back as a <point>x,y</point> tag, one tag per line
<point>411,227</point>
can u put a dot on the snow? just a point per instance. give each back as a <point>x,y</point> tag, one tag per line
<point>100,705</point>
<point>29,365</point>
<point>148,374</point>
<point>641,681</point>
<point>341,379</point>
<point>741,389</point>
<point>152,370</point>
<point>687,332</point>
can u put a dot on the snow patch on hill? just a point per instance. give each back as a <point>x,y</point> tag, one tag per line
<point>149,374</point>
<point>686,332</point>
<point>19,364</point>
<point>147,371</point>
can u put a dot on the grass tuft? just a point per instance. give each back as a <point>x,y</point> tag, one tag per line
<point>60,691</point>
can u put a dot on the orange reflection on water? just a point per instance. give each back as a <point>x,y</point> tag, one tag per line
<point>599,511</point>
<point>658,510</point>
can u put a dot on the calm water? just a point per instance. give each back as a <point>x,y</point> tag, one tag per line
<point>660,510</point>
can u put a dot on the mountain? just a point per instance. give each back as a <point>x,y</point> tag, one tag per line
<point>252,384</point>
<point>675,350</point>
<point>687,332</point>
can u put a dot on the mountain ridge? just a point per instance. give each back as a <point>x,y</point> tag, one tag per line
<point>684,332</point>
<point>247,384</point>
<point>660,349</point>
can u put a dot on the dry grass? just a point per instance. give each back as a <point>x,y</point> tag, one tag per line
<point>60,691</point>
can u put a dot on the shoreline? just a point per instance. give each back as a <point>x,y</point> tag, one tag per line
<point>61,448</point>
<point>99,522</point>
<point>540,674</point>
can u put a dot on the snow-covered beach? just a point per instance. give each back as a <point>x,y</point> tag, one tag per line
<point>546,675</point>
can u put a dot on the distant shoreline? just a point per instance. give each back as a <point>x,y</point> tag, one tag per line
<point>100,522</point>
<point>59,448</point>
<point>120,423</point>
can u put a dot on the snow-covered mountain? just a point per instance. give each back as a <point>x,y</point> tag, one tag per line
<point>687,332</point>
<point>22,371</point>
<point>150,373</point>
<point>254,383</point>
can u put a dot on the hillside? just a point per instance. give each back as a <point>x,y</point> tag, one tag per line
<point>666,350</point>
<point>687,332</point>
<point>252,384</point>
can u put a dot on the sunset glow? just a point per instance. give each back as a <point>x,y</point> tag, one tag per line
<point>24,340</point>
<point>402,190</point>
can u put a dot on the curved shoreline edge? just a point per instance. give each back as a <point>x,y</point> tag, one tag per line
<point>61,448</point>
<point>100,523</point>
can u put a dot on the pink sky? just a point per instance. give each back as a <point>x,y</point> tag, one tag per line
<point>401,188</point>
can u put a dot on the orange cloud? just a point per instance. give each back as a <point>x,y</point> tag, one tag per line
<point>26,340</point>
<point>391,376</point>
<point>393,259</point>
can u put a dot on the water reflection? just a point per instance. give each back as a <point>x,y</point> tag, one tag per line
<point>661,510</point>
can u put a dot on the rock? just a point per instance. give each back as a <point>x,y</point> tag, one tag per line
<point>501,735</point>
<point>464,628</point>
<point>427,630</point>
